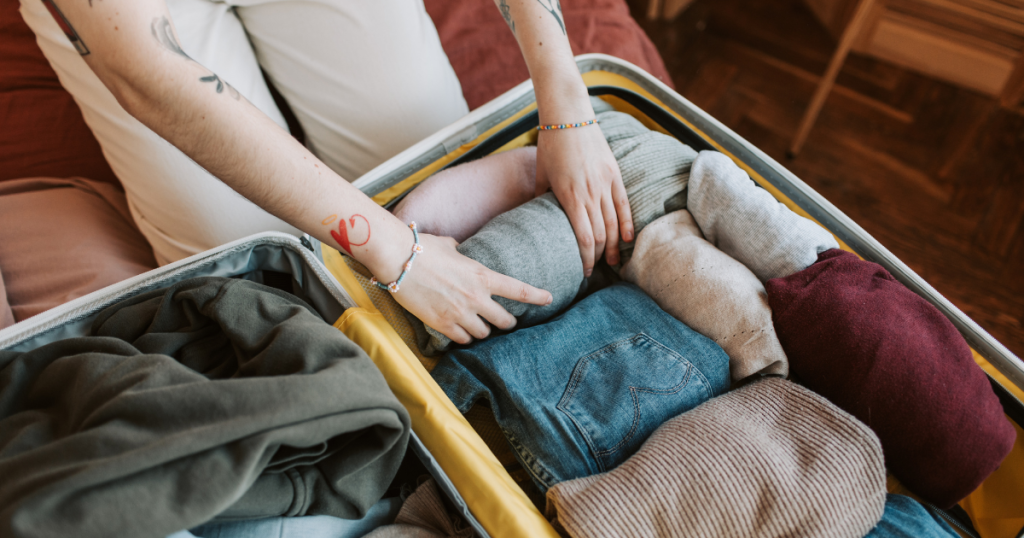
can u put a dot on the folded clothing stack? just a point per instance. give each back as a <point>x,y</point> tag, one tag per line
<point>213,398</point>
<point>854,334</point>
<point>535,242</point>
<point>740,268</point>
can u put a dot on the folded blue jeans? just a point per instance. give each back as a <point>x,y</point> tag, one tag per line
<point>579,394</point>
<point>906,518</point>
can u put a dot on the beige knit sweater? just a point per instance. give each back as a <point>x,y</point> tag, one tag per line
<point>769,459</point>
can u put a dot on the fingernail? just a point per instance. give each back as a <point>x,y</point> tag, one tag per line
<point>550,298</point>
<point>588,272</point>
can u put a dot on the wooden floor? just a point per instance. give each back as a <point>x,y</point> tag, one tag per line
<point>934,172</point>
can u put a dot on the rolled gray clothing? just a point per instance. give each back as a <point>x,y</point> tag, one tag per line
<point>600,105</point>
<point>748,223</point>
<point>533,243</point>
<point>214,398</point>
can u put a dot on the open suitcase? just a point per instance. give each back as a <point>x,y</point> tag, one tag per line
<point>996,509</point>
<point>462,461</point>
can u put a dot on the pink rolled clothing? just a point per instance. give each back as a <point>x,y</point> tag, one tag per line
<point>459,201</point>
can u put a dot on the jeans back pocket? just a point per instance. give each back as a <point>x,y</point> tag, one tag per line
<point>618,395</point>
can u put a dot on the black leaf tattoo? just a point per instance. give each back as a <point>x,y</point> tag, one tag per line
<point>554,7</point>
<point>506,13</point>
<point>213,78</point>
<point>164,34</point>
<point>221,85</point>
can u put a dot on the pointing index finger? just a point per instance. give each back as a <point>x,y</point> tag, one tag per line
<point>510,288</point>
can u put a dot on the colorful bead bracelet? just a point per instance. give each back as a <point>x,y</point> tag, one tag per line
<point>417,248</point>
<point>566,125</point>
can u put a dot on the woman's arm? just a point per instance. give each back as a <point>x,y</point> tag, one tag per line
<point>132,47</point>
<point>576,163</point>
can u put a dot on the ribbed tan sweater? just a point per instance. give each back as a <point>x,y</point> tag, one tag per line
<point>769,459</point>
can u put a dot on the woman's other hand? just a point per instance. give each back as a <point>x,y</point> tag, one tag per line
<point>578,166</point>
<point>452,293</point>
<point>575,163</point>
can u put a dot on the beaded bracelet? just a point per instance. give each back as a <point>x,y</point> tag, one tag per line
<point>566,125</point>
<point>417,248</point>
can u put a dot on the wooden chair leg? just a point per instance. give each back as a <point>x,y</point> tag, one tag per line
<point>653,10</point>
<point>674,7</point>
<point>825,85</point>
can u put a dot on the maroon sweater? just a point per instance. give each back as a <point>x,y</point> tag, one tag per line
<point>885,355</point>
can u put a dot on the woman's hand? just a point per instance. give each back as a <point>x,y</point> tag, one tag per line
<point>452,293</point>
<point>575,163</point>
<point>579,167</point>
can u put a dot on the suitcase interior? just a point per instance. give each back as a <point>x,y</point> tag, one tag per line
<point>271,258</point>
<point>471,457</point>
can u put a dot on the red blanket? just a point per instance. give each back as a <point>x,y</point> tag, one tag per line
<point>486,57</point>
<point>43,131</point>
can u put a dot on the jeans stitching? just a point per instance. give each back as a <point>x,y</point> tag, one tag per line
<point>529,461</point>
<point>636,407</point>
<point>693,369</point>
<point>574,383</point>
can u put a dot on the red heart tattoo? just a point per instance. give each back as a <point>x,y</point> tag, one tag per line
<point>341,236</point>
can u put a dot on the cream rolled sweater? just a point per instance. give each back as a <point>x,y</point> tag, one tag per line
<point>710,292</point>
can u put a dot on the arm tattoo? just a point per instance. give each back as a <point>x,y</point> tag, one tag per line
<point>221,85</point>
<point>161,28</point>
<point>69,30</point>
<point>344,228</point>
<point>214,78</point>
<point>554,7</point>
<point>506,13</point>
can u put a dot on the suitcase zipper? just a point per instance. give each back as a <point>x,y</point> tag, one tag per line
<point>953,521</point>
